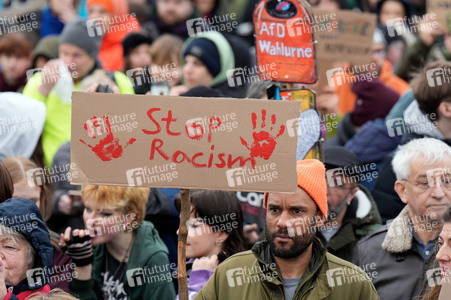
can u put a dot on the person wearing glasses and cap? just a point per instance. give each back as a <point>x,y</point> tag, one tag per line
<point>352,211</point>
<point>401,249</point>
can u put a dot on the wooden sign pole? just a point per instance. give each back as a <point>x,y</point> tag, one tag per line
<point>183,233</point>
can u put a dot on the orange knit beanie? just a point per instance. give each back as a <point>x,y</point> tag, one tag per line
<point>312,179</point>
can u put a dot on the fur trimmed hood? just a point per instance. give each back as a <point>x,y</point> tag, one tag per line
<point>399,236</point>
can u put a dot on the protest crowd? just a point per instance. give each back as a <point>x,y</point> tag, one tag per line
<point>371,214</point>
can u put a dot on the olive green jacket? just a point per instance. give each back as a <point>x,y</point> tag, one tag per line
<point>254,274</point>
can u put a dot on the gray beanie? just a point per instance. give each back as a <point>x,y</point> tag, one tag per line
<point>76,33</point>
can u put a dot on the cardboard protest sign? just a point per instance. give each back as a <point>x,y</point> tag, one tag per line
<point>284,36</point>
<point>441,11</point>
<point>182,142</point>
<point>349,39</point>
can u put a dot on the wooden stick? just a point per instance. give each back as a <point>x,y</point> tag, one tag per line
<point>183,233</point>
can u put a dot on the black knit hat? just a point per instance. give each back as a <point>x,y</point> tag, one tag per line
<point>133,40</point>
<point>206,51</point>
<point>340,157</point>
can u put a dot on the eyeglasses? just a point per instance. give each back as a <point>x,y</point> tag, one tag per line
<point>424,185</point>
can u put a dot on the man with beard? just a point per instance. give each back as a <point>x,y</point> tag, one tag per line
<point>352,211</point>
<point>291,263</point>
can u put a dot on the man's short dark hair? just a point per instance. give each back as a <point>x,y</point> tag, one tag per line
<point>429,97</point>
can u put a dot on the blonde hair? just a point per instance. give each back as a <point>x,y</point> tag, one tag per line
<point>127,199</point>
<point>55,294</point>
<point>166,50</point>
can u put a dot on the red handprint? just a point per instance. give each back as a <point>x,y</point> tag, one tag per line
<point>108,147</point>
<point>264,143</point>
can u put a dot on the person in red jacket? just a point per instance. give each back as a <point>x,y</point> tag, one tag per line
<point>111,20</point>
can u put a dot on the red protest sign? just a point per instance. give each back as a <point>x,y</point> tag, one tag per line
<point>284,36</point>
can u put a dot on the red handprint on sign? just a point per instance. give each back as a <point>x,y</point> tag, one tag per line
<point>108,147</point>
<point>264,143</point>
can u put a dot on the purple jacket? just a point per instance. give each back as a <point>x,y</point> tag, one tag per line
<point>197,280</point>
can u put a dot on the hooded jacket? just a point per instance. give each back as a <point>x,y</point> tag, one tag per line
<point>253,274</point>
<point>227,59</point>
<point>399,265</point>
<point>148,252</point>
<point>24,217</point>
<point>360,219</point>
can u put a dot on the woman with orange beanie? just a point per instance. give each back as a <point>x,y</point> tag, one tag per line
<point>116,24</point>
